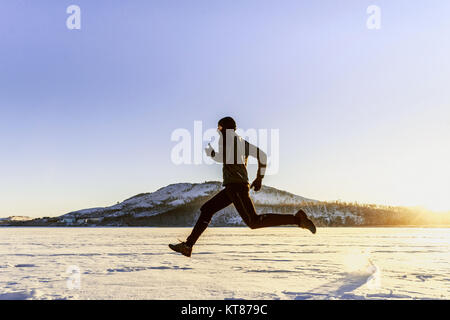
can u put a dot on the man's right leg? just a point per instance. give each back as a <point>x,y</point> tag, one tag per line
<point>246,210</point>
<point>216,203</point>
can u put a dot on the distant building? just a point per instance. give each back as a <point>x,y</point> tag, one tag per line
<point>88,220</point>
<point>68,220</point>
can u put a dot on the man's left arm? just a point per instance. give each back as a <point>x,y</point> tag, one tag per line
<point>261,156</point>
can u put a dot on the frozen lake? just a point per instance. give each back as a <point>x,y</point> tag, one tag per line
<point>227,263</point>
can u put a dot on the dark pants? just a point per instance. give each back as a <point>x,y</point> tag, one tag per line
<point>237,194</point>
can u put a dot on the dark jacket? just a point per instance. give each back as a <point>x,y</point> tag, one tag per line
<point>233,153</point>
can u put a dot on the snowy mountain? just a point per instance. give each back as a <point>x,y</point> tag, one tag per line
<point>14,218</point>
<point>178,205</point>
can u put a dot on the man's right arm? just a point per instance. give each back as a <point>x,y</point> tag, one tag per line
<point>216,156</point>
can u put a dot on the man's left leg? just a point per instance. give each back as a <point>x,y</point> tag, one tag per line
<point>216,203</point>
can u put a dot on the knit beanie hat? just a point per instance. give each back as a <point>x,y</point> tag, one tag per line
<point>227,123</point>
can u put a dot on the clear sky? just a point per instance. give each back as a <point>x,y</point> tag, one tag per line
<point>86,115</point>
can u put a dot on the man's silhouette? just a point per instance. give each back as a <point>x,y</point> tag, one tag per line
<point>233,153</point>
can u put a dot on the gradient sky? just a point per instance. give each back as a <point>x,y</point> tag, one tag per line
<point>86,115</point>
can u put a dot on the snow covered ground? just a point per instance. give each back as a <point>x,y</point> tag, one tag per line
<point>227,263</point>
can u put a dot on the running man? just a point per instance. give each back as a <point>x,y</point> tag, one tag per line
<point>233,153</point>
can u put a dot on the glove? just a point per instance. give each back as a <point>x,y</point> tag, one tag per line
<point>256,184</point>
<point>210,151</point>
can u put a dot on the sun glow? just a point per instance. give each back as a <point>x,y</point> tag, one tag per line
<point>439,207</point>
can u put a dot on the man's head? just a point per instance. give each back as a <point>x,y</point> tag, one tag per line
<point>226,123</point>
